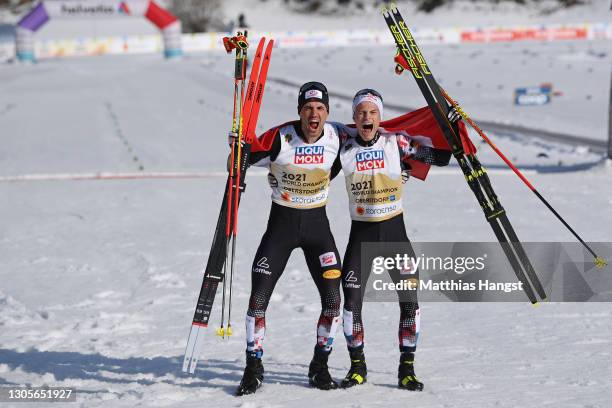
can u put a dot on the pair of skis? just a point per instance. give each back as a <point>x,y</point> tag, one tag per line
<point>475,174</point>
<point>222,251</point>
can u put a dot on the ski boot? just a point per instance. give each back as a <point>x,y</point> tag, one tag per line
<point>358,372</point>
<point>407,380</point>
<point>318,372</point>
<point>253,375</point>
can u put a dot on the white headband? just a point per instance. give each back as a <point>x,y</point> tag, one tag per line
<point>368,98</point>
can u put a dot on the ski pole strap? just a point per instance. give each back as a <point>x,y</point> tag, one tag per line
<point>401,63</point>
<point>239,41</point>
<point>228,44</point>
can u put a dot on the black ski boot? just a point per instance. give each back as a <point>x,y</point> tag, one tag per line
<point>318,372</point>
<point>407,380</point>
<point>358,372</point>
<point>253,376</point>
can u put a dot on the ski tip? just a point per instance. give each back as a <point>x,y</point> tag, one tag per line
<point>600,263</point>
<point>535,304</point>
<point>187,365</point>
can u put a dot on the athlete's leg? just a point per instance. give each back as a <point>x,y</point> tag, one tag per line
<point>269,263</point>
<point>409,323</point>
<point>354,276</point>
<point>351,287</point>
<point>323,262</point>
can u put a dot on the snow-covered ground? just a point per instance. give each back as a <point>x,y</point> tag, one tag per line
<point>99,278</point>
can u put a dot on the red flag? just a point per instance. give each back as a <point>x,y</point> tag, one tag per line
<point>422,122</point>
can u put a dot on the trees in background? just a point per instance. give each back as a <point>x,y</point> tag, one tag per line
<point>207,15</point>
<point>422,5</point>
<point>16,6</point>
<point>198,15</point>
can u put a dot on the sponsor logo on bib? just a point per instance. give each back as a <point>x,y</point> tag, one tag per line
<point>370,160</point>
<point>309,155</point>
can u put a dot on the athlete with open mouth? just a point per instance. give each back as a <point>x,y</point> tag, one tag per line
<point>299,156</point>
<point>373,160</point>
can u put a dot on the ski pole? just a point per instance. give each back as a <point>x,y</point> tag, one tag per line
<point>599,261</point>
<point>240,44</point>
<point>237,182</point>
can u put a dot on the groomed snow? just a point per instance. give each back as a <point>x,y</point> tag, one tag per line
<point>100,277</point>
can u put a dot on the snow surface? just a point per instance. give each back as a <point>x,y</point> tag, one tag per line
<point>99,278</point>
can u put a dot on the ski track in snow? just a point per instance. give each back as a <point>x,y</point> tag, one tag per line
<point>99,279</point>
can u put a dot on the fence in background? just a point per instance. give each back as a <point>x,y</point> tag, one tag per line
<point>333,38</point>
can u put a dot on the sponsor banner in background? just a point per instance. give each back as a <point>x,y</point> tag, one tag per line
<point>542,33</point>
<point>143,44</point>
<point>533,95</point>
<point>202,41</point>
<point>95,9</point>
<point>600,31</point>
<point>100,46</point>
<point>307,39</point>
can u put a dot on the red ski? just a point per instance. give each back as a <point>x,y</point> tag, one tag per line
<point>226,229</point>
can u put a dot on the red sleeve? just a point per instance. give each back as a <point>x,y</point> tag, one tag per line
<point>264,142</point>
